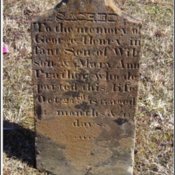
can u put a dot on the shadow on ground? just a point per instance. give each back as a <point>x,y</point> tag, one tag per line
<point>19,143</point>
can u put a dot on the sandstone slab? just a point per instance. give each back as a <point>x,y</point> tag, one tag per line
<point>85,72</point>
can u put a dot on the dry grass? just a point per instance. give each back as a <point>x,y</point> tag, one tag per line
<point>154,143</point>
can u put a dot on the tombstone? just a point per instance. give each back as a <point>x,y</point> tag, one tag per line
<point>85,72</point>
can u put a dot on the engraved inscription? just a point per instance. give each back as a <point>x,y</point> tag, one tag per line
<point>101,48</point>
<point>85,74</point>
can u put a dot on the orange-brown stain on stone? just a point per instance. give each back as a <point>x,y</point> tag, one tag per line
<point>76,135</point>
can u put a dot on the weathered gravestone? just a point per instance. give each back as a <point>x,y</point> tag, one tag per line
<point>85,73</point>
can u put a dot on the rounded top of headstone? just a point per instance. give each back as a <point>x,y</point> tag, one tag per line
<point>76,6</point>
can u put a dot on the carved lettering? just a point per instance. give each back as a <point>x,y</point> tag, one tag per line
<point>85,73</point>
<point>124,88</point>
<point>45,51</point>
<point>128,52</point>
<point>94,17</point>
<point>79,124</point>
<point>86,52</point>
<point>101,30</point>
<point>60,28</point>
<point>78,113</point>
<point>44,64</point>
<point>58,87</point>
<point>42,27</point>
<point>135,42</point>
<point>42,39</point>
<point>87,63</point>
